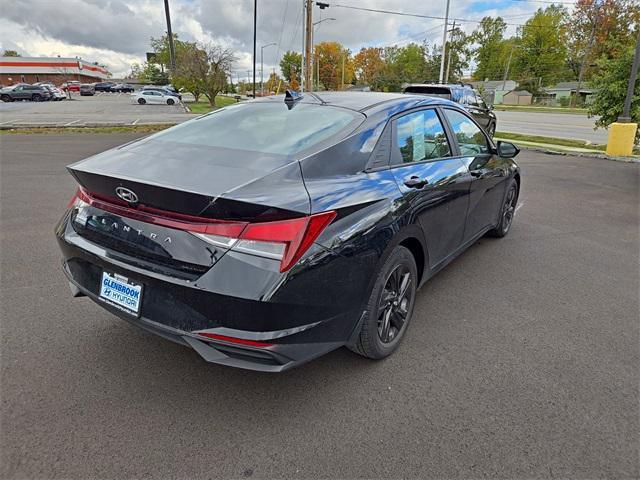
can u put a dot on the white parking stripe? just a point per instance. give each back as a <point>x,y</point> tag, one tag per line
<point>71,123</point>
<point>135,121</point>
<point>518,207</point>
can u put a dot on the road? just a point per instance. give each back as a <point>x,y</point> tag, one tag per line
<point>559,125</point>
<point>110,108</point>
<point>522,359</point>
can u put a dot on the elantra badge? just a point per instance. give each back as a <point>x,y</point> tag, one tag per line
<point>127,195</point>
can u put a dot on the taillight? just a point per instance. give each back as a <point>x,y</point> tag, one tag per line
<point>285,240</point>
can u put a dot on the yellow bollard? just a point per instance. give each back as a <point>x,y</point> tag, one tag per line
<point>621,139</point>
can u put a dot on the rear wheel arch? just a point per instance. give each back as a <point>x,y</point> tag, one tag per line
<point>417,249</point>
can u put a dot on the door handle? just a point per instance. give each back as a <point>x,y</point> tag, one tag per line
<point>416,182</point>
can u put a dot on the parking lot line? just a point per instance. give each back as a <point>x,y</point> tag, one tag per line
<point>71,123</point>
<point>135,121</point>
<point>518,207</point>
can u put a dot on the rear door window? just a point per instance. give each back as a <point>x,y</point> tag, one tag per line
<point>420,136</point>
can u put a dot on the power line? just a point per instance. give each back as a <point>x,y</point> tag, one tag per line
<point>433,17</point>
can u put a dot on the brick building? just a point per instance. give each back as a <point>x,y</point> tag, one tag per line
<point>56,70</point>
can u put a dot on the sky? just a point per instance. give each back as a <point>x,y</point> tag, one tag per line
<point>116,33</point>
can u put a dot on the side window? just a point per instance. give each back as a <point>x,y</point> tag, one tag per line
<point>420,136</point>
<point>471,98</point>
<point>471,139</point>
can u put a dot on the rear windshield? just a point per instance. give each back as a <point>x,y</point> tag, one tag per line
<point>268,127</point>
<point>441,92</point>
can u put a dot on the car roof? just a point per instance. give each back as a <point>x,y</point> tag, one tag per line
<point>364,101</point>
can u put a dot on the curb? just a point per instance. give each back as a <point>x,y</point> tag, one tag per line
<point>549,149</point>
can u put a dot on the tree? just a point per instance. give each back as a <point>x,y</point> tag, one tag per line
<point>491,51</point>
<point>600,29</point>
<point>333,58</point>
<point>406,64</point>
<point>291,66</point>
<point>540,54</point>
<point>151,74</point>
<point>369,66</point>
<point>610,85</point>
<point>11,53</point>
<point>273,83</point>
<point>458,52</point>
<point>206,65</point>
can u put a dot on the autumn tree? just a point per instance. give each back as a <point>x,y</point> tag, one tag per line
<point>369,67</point>
<point>10,53</point>
<point>335,64</point>
<point>600,29</point>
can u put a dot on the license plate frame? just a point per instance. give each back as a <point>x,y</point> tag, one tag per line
<point>121,293</point>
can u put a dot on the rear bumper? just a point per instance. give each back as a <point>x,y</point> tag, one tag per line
<point>295,328</point>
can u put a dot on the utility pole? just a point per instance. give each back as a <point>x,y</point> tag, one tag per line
<point>506,70</point>
<point>626,109</point>
<point>308,29</point>
<point>255,29</point>
<point>446,77</point>
<point>444,41</point>
<point>172,51</point>
<point>303,62</point>
<point>586,52</point>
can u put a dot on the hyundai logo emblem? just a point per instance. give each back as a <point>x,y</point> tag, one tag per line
<point>127,195</point>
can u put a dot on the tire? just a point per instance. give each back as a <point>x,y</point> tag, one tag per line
<point>142,101</point>
<point>507,211</point>
<point>380,335</point>
<point>6,98</point>
<point>171,101</point>
<point>36,98</point>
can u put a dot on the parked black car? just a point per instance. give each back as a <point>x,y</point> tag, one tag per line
<point>122,88</point>
<point>87,89</point>
<point>23,91</point>
<point>270,232</point>
<point>463,94</point>
<point>103,86</point>
<point>166,90</point>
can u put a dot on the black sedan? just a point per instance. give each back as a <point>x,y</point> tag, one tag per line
<point>270,232</point>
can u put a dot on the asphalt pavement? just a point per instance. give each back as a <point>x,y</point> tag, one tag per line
<point>521,361</point>
<point>101,109</point>
<point>558,125</point>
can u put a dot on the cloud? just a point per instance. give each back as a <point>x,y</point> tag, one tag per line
<point>117,33</point>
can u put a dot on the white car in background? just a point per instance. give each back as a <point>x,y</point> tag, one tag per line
<point>153,96</point>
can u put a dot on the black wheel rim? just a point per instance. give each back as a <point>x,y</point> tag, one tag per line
<point>394,304</point>
<point>509,209</point>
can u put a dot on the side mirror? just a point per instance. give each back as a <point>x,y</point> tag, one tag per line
<point>507,149</point>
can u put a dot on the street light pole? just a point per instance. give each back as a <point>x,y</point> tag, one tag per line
<point>262,65</point>
<point>172,52</point>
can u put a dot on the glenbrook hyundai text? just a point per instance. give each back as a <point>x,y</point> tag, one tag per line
<point>270,232</point>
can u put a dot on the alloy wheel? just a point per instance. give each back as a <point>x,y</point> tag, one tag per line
<point>509,209</point>
<point>394,304</point>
